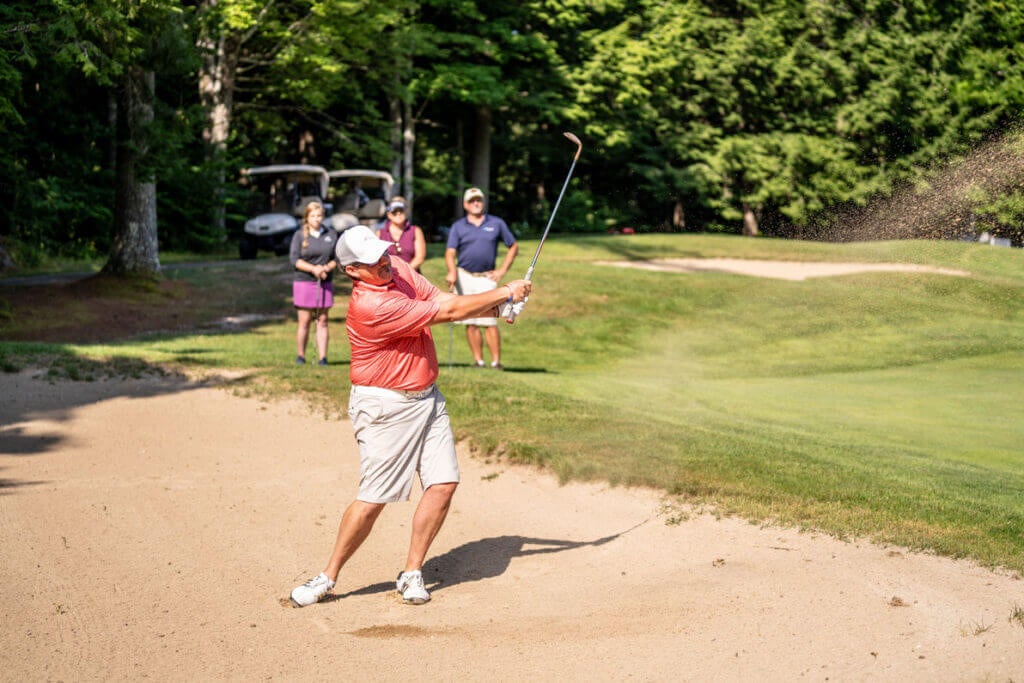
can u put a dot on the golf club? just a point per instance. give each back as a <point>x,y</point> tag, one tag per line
<point>529,272</point>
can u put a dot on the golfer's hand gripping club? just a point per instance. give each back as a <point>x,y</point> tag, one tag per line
<point>519,292</point>
<point>510,311</point>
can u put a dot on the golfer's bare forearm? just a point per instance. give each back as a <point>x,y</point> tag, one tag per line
<point>452,308</point>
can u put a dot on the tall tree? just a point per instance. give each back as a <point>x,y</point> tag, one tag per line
<point>121,45</point>
<point>134,249</point>
<point>222,28</point>
<point>495,72</point>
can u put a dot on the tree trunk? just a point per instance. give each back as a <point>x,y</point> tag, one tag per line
<point>408,147</point>
<point>460,153</point>
<point>678,216</point>
<point>395,114</point>
<point>134,249</point>
<point>112,122</point>
<point>480,167</point>
<point>750,227</point>
<point>219,64</point>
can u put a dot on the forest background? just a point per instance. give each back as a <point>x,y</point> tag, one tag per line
<point>126,124</point>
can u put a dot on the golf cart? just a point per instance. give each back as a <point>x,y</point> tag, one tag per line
<point>278,196</point>
<point>359,196</point>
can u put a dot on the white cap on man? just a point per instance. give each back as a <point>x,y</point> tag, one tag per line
<point>473,193</point>
<point>358,244</point>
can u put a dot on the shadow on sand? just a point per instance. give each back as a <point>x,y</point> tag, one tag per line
<point>484,559</point>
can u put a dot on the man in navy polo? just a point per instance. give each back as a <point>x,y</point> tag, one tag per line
<point>474,239</point>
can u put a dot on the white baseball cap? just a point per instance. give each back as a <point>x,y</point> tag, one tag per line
<point>358,244</point>
<point>473,193</point>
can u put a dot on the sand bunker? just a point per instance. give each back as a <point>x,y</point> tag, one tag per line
<point>153,528</point>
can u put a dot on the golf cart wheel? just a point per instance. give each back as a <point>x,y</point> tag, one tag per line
<point>284,244</point>
<point>247,248</point>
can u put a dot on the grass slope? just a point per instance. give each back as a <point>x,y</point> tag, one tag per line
<point>876,404</point>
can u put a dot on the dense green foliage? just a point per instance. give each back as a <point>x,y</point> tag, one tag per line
<point>773,115</point>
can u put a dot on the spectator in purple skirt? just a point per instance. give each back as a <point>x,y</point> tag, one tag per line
<point>312,256</point>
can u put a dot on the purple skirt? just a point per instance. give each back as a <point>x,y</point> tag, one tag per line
<point>313,294</point>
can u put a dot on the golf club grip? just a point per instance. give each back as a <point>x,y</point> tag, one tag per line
<point>527,277</point>
<point>512,319</point>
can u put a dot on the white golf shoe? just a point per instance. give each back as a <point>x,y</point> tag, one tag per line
<point>410,585</point>
<point>311,591</point>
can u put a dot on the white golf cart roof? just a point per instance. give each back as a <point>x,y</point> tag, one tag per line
<point>355,172</point>
<point>318,172</point>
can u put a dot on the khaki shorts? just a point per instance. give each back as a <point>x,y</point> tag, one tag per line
<point>401,434</point>
<point>470,283</point>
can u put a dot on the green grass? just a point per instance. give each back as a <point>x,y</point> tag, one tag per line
<point>881,405</point>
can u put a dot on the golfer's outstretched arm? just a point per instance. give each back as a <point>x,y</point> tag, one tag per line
<point>452,307</point>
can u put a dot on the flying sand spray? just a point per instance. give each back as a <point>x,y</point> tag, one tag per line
<point>529,272</point>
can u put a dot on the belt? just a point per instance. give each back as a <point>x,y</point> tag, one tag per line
<point>394,393</point>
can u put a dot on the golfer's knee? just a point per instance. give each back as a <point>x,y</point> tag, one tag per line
<point>445,490</point>
<point>367,512</point>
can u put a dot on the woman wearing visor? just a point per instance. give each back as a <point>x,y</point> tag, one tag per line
<point>407,240</point>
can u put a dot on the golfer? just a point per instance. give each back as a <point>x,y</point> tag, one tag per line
<point>474,239</point>
<point>398,415</point>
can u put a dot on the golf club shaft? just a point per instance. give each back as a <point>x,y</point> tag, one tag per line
<point>551,219</point>
<point>558,202</point>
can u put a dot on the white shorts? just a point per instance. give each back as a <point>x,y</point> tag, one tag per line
<point>401,434</point>
<point>469,283</point>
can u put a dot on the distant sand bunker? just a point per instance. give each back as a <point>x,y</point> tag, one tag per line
<point>783,270</point>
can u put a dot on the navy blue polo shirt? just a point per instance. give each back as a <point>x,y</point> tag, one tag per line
<point>477,246</point>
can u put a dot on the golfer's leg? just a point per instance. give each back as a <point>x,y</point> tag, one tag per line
<point>430,515</point>
<point>355,526</point>
<point>302,334</point>
<point>493,343</point>
<point>476,343</point>
<point>322,333</point>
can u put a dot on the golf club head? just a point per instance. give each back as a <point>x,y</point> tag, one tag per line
<point>576,141</point>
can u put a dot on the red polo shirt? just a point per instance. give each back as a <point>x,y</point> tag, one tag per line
<point>388,330</point>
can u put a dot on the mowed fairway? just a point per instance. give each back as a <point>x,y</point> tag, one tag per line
<point>886,405</point>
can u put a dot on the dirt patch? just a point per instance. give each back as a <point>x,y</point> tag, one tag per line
<point>103,309</point>
<point>783,270</point>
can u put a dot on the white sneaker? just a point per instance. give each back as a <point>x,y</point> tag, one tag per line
<point>311,591</point>
<point>410,585</point>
